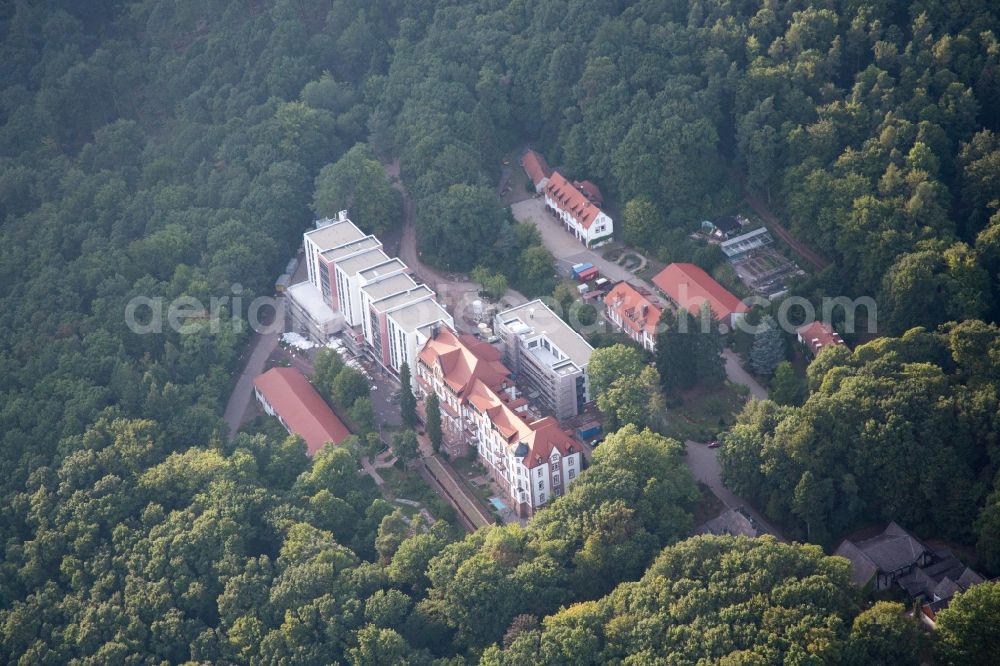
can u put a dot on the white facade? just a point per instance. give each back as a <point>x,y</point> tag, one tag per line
<point>330,233</point>
<point>409,327</point>
<point>549,357</point>
<point>532,460</point>
<point>378,290</point>
<point>528,483</point>
<point>599,231</point>
<point>349,282</point>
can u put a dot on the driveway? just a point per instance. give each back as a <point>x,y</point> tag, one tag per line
<point>704,464</point>
<point>261,348</point>
<point>454,290</point>
<point>564,246</point>
<point>737,375</point>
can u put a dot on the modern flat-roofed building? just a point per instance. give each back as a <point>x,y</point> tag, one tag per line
<point>376,291</point>
<point>285,393</point>
<point>407,328</point>
<point>310,313</point>
<point>379,313</point>
<point>349,280</point>
<point>329,234</point>
<point>549,357</point>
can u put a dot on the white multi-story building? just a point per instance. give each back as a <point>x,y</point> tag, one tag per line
<point>409,327</point>
<point>581,216</point>
<point>379,290</point>
<point>550,358</point>
<point>532,460</point>
<point>329,235</point>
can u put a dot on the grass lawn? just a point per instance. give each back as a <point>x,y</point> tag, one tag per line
<point>705,412</point>
<point>466,467</point>
<point>409,484</point>
<point>652,267</point>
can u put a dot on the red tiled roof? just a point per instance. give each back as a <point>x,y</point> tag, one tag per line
<point>464,360</point>
<point>689,287</point>
<point>302,409</point>
<point>637,312</point>
<point>590,190</point>
<point>818,335</point>
<point>473,370</point>
<point>545,436</point>
<point>535,166</point>
<point>571,200</point>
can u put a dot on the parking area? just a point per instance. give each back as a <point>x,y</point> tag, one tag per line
<point>564,246</point>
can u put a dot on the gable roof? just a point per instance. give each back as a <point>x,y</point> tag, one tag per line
<point>545,437</point>
<point>464,360</point>
<point>818,335</point>
<point>863,569</point>
<point>590,190</point>
<point>689,287</point>
<point>535,166</point>
<point>890,551</point>
<point>473,370</point>
<point>637,312</point>
<point>571,200</point>
<point>301,408</point>
<point>734,522</point>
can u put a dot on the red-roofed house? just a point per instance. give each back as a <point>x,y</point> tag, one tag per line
<point>456,367</point>
<point>537,169</point>
<point>531,460</point>
<point>632,312</point>
<point>577,212</point>
<point>689,287</point>
<point>286,394</point>
<point>590,190</point>
<point>817,336</point>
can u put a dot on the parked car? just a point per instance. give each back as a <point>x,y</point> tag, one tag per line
<point>714,444</point>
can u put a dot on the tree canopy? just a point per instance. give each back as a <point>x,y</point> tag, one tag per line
<point>161,150</point>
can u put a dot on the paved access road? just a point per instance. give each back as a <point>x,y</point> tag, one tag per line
<point>261,348</point>
<point>738,375</point>
<point>455,290</point>
<point>704,464</point>
<point>566,249</point>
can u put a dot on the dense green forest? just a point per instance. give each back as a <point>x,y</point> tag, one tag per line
<point>156,148</point>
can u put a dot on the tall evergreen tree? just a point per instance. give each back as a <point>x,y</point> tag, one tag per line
<point>434,421</point>
<point>688,353</point>
<point>768,348</point>
<point>407,401</point>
